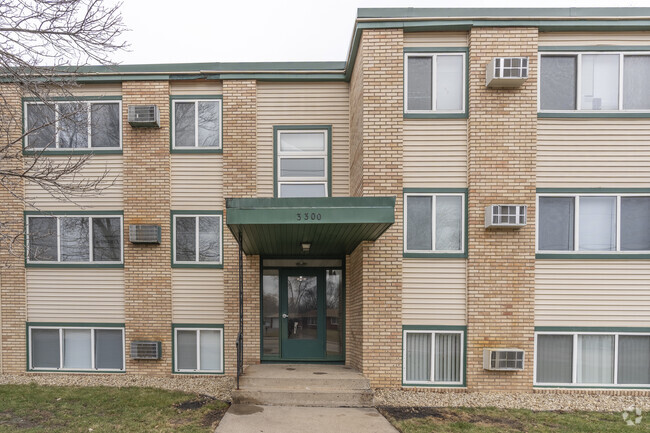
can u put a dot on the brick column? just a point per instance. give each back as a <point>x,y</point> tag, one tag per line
<point>13,308</point>
<point>147,269</point>
<point>240,180</point>
<point>374,289</point>
<point>502,134</point>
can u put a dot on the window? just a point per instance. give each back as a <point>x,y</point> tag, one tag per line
<point>73,125</point>
<point>592,359</point>
<point>434,222</point>
<point>198,350</point>
<point>594,81</point>
<point>76,348</point>
<point>197,124</point>
<point>435,82</point>
<point>593,223</point>
<point>197,239</point>
<point>74,239</point>
<point>302,165</point>
<point>433,357</point>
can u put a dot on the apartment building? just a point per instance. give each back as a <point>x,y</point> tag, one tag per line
<point>464,202</point>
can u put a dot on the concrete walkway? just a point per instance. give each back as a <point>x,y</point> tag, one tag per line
<point>242,418</point>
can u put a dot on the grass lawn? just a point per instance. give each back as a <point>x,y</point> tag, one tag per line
<point>34,408</point>
<point>492,420</point>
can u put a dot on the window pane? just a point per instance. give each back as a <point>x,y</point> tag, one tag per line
<point>40,120</point>
<point>449,220</point>
<point>595,359</point>
<point>302,167</point>
<point>271,311</point>
<point>42,239</point>
<point>636,82</point>
<point>208,124</point>
<point>209,239</point>
<point>109,350</point>
<point>418,357</point>
<point>333,311</point>
<point>634,359</point>
<point>597,223</point>
<point>184,124</point>
<point>76,349</point>
<point>558,83</point>
<point>556,223</point>
<point>302,142</point>
<point>302,190</point>
<point>600,82</point>
<point>635,223</point>
<point>447,358</point>
<point>210,350</point>
<point>449,83</point>
<point>419,83</point>
<point>107,240</point>
<point>105,125</point>
<point>554,358</point>
<point>418,223</point>
<point>75,239</point>
<point>185,239</point>
<point>186,350</point>
<point>45,348</point>
<point>73,125</point>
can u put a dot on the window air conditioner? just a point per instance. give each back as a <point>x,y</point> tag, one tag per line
<point>506,72</point>
<point>144,234</point>
<point>503,359</point>
<point>144,116</point>
<point>146,349</point>
<point>505,216</point>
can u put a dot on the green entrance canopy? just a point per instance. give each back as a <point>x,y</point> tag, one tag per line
<point>332,226</point>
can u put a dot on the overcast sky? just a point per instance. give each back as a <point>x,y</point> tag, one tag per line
<point>177,31</point>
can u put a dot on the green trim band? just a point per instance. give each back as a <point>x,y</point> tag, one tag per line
<point>604,256</point>
<point>73,212</point>
<point>434,255</point>
<point>194,97</point>
<point>172,230</point>
<point>544,49</point>
<point>74,265</point>
<point>75,324</point>
<point>591,114</point>
<point>72,98</point>
<point>618,387</point>
<point>612,329</point>
<point>57,152</point>
<point>432,190</point>
<point>464,115</point>
<point>436,50</point>
<point>434,328</point>
<point>593,190</point>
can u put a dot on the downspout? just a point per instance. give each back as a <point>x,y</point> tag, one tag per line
<point>240,335</point>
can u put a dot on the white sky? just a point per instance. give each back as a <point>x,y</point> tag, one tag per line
<point>177,31</point>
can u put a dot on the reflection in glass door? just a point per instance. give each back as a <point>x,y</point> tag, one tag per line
<point>302,307</point>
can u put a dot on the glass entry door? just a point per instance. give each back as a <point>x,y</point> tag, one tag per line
<point>302,314</point>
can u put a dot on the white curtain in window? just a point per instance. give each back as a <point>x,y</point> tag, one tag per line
<point>556,223</point>
<point>447,358</point>
<point>449,221</point>
<point>449,82</point>
<point>558,83</point>
<point>635,223</point>
<point>210,347</point>
<point>419,83</point>
<point>76,349</point>
<point>186,350</point>
<point>596,359</point>
<point>554,358</point>
<point>418,223</point>
<point>597,223</point>
<point>600,81</point>
<point>634,360</point>
<point>636,83</point>
<point>418,357</point>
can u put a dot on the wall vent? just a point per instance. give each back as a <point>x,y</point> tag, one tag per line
<point>506,72</point>
<point>146,349</point>
<point>144,234</point>
<point>503,359</point>
<point>144,116</point>
<point>505,216</point>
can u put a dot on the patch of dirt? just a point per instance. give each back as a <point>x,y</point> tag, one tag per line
<point>212,418</point>
<point>445,415</point>
<point>8,418</point>
<point>194,404</point>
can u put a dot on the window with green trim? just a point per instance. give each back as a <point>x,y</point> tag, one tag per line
<point>197,239</point>
<point>433,357</point>
<point>73,125</point>
<point>196,124</point>
<point>434,222</point>
<point>302,163</point>
<point>74,239</point>
<point>434,82</point>
<point>198,350</point>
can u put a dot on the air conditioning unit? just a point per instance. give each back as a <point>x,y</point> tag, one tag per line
<point>506,72</point>
<point>146,349</point>
<point>144,234</point>
<point>503,359</point>
<point>508,216</point>
<point>144,116</point>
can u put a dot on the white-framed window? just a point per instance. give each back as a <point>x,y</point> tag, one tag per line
<point>76,348</point>
<point>74,239</point>
<point>196,124</point>
<point>197,239</point>
<point>434,82</point>
<point>592,358</point>
<point>198,350</point>
<point>593,223</point>
<point>594,81</point>
<point>433,357</point>
<point>434,222</point>
<point>302,166</point>
<point>73,125</point>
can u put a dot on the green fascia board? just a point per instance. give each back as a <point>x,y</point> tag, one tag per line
<point>522,13</point>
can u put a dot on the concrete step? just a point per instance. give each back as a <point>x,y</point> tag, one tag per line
<point>294,397</point>
<point>321,383</point>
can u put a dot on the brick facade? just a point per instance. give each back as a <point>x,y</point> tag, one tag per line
<point>502,139</point>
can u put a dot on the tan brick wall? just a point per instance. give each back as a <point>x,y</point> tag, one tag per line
<point>147,268</point>
<point>239,171</point>
<point>501,169</point>
<point>376,170</point>
<point>13,311</point>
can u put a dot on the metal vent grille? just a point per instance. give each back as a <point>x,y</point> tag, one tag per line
<point>144,115</point>
<point>503,359</point>
<point>511,67</point>
<point>145,349</point>
<point>144,234</point>
<point>505,215</point>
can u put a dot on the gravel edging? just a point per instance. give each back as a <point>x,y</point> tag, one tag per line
<point>537,402</point>
<point>218,387</point>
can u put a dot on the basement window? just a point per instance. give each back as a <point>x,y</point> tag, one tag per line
<point>198,350</point>
<point>433,357</point>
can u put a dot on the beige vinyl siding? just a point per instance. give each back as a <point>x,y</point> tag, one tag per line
<point>108,168</point>
<point>200,87</point>
<point>435,153</point>
<point>593,153</point>
<point>197,181</point>
<point>435,39</point>
<point>320,103</point>
<point>105,89</point>
<point>592,293</point>
<point>593,38</point>
<point>197,295</point>
<point>434,291</point>
<point>75,295</point>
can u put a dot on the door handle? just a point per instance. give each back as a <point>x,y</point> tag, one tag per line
<point>285,316</point>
